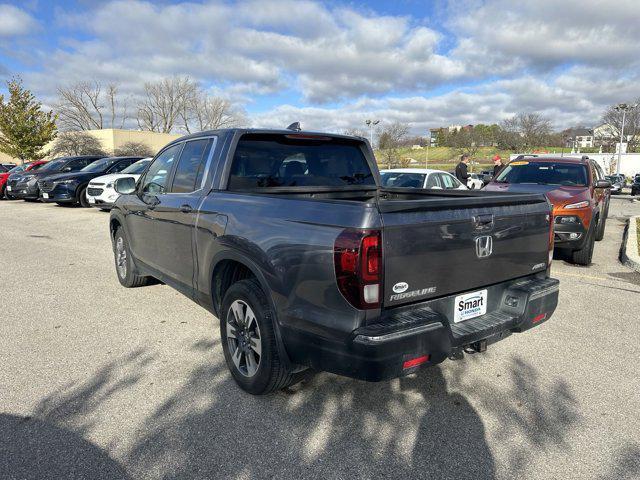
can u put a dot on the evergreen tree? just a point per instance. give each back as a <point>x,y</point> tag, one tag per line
<point>24,127</point>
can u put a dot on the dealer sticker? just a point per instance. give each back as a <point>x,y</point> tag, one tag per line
<point>470,305</point>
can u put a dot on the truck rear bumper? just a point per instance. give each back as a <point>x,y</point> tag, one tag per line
<point>407,338</point>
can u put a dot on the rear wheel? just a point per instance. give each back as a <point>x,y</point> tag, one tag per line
<point>124,262</point>
<point>3,192</point>
<point>249,341</point>
<point>585,254</point>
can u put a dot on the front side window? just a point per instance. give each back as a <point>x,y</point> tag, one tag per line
<point>137,167</point>
<point>276,160</point>
<point>155,181</point>
<point>191,166</point>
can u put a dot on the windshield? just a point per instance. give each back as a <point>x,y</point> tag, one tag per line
<point>268,160</point>
<point>545,173</point>
<point>54,165</point>
<point>137,167</point>
<point>404,180</point>
<point>98,165</point>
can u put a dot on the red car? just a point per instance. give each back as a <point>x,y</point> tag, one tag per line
<point>20,168</point>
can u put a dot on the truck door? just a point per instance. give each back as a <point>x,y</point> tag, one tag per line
<point>176,213</point>
<point>140,207</point>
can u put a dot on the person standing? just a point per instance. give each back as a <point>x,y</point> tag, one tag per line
<point>462,172</point>
<point>497,165</point>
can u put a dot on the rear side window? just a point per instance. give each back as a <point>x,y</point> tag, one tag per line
<point>448,182</point>
<point>121,165</point>
<point>191,165</point>
<point>267,160</point>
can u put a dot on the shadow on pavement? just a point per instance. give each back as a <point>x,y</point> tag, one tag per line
<point>417,427</point>
<point>33,449</point>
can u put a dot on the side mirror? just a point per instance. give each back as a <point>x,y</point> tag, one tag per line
<point>66,169</point>
<point>603,184</point>
<point>125,186</point>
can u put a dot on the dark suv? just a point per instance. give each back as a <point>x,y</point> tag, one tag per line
<point>71,188</point>
<point>24,185</point>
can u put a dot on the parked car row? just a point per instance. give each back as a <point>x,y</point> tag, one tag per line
<point>577,188</point>
<point>70,180</point>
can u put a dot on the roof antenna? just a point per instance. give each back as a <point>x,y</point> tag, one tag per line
<point>295,126</point>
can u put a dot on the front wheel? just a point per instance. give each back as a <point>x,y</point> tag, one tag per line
<point>585,254</point>
<point>124,263</point>
<point>82,198</point>
<point>249,341</point>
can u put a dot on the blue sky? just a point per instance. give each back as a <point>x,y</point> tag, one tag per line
<point>333,64</point>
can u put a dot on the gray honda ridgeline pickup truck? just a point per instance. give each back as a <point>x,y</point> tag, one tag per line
<point>290,240</point>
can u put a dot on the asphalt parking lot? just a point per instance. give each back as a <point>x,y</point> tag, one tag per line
<point>97,381</point>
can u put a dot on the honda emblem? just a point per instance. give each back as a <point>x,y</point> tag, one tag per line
<point>484,246</point>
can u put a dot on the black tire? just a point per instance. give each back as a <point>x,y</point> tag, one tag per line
<point>602,222</point>
<point>3,192</point>
<point>82,198</point>
<point>127,276</point>
<point>585,254</point>
<point>271,374</point>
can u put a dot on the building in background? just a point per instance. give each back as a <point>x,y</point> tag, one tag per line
<point>113,138</point>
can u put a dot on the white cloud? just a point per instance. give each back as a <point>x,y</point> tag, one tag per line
<point>15,22</point>
<point>568,59</point>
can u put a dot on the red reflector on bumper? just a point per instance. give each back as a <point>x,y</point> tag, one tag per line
<point>414,362</point>
<point>537,318</point>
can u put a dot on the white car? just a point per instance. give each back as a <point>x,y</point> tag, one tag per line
<point>475,181</point>
<point>420,178</point>
<point>100,192</point>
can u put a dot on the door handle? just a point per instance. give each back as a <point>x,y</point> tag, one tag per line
<point>186,208</point>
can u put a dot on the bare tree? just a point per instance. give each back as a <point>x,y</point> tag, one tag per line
<point>612,118</point>
<point>524,130</point>
<point>88,106</point>
<point>390,140</point>
<point>203,112</point>
<point>165,103</point>
<point>133,149</point>
<point>76,143</point>
<point>534,128</point>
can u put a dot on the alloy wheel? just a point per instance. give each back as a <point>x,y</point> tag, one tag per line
<point>121,258</point>
<point>243,338</point>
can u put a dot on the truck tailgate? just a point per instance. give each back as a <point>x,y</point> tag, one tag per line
<point>433,247</point>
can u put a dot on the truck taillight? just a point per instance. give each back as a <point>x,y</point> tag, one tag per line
<point>358,265</point>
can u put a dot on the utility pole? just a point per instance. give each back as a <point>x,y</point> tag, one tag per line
<point>371,124</point>
<point>624,108</point>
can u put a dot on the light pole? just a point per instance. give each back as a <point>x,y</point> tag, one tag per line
<point>371,124</point>
<point>624,108</point>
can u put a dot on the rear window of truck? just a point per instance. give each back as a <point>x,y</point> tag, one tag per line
<point>267,160</point>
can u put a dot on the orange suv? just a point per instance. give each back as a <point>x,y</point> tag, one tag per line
<point>578,191</point>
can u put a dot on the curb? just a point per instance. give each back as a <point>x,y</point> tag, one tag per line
<point>629,252</point>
